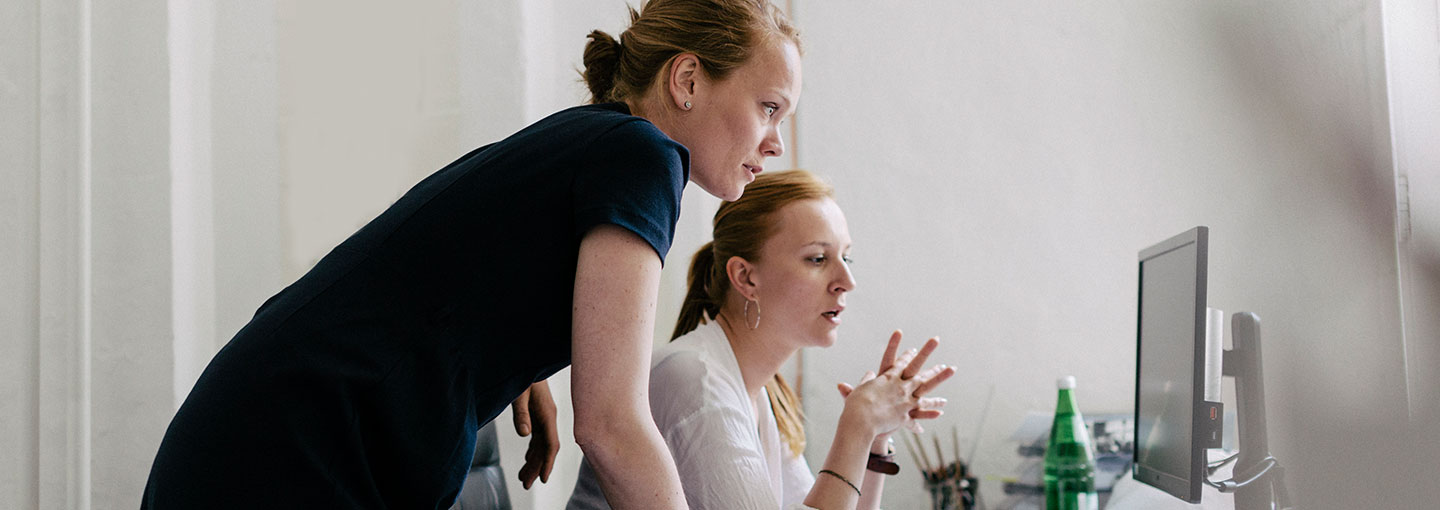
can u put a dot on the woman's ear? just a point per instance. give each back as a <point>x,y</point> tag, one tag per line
<point>685,74</point>
<point>742,277</point>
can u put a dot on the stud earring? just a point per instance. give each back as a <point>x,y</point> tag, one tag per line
<point>687,105</point>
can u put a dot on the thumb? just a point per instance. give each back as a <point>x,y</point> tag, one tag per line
<point>521,408</point>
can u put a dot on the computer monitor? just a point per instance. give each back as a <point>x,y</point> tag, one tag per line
<point>1170,435</point>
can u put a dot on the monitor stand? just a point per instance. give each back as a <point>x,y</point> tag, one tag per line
<point>1243,363</point>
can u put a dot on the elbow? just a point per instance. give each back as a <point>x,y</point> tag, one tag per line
<point>588,435</point>
<point>603,437</point>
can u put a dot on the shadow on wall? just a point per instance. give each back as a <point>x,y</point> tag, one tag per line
<point>1349,449</point>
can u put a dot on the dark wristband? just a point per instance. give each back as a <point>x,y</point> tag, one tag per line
<point>883,464</point>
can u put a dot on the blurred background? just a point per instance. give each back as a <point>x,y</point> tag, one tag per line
<point>168,165</point>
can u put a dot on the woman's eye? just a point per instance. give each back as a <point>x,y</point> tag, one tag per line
<point>770,110</point>
<point>817,260</point>
<point>848,260</point>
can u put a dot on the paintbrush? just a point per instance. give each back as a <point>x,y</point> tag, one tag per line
<point>913,456</point>
<point>920,445</point>
<point>940,456</point>
<point>955,434</point>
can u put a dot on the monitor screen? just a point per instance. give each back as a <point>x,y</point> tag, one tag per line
<point>1170,359</point>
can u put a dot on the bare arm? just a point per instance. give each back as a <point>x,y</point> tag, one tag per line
<point>878,406</point>
<point>617,279</point>
<point>874,483</point>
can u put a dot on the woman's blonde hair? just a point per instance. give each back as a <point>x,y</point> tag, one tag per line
<point>722,33</point>
<point>740,229</point>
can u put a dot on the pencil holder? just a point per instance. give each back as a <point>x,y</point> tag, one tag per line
<point>945,493</point>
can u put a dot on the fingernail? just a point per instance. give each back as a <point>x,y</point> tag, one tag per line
<point>524,429</point>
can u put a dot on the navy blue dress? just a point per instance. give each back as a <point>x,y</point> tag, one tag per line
<point>362,384</point>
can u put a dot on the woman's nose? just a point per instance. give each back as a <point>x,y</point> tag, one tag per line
<point>846,281</point>
<point>773,146</point>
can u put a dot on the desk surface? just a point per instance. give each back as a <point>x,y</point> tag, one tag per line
<point>1129,494</point>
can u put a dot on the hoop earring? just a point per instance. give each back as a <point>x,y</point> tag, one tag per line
<point>757,314</point>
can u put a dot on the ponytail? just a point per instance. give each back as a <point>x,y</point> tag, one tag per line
<point>723,34</point>
<point>697,305</point>
<point>788,416</point>
<point>602,61</point>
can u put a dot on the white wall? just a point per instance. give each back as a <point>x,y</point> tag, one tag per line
<point>1412,56</point>
<point>1412,50</point>
<point>20,253</point>
<point>119,277</point>
<point>1003,163</point>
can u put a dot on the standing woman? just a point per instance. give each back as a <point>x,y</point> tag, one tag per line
<point>362,384</point>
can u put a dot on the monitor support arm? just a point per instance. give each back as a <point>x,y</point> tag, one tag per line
<point>1243,363</point>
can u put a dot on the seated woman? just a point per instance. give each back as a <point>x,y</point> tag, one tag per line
<point>780,285</point>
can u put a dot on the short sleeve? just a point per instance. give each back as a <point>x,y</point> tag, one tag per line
<point>632,177</point>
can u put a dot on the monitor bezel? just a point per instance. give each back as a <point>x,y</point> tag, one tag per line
<point>1185,486</point>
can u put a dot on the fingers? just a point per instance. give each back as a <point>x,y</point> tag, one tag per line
<point>539,459</point>
<point>528,472</point>
<point>932,378</point>
<point>845,389</point>
<point>930,403</point>
<point>521,415</point>
<point>925,414</point>
<point>890,349</point>
<point>535,411</point>
<point>551,448</point>
<point>904,360</point>
<point>918,361</point>
<point>548,440</point>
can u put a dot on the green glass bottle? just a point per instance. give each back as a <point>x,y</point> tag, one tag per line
<point>1070,456</point>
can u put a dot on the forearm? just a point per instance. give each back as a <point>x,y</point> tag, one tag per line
<point>848,454</point>
<point>874,483</point>
<point>633,465</point>
<point>616,281</point>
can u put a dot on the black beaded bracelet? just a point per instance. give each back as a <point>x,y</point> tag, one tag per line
<point>837,475</point>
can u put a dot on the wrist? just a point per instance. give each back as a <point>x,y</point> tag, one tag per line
<point>860,422</point>
<point>882,457</point>
<point>883,445</point>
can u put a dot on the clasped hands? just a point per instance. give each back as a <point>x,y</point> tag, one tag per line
<point>894,396</point>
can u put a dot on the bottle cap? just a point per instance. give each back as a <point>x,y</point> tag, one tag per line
<point>1065,383</point>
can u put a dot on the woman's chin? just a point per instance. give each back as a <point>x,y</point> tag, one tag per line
<point>828,339</point>
<point>727,191</point>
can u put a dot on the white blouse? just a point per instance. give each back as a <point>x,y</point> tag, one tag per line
<point>725,460</point>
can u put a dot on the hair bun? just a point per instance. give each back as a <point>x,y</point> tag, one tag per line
<point>602,61</point>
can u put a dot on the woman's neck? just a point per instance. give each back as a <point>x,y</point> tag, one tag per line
<point>759,352</point>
